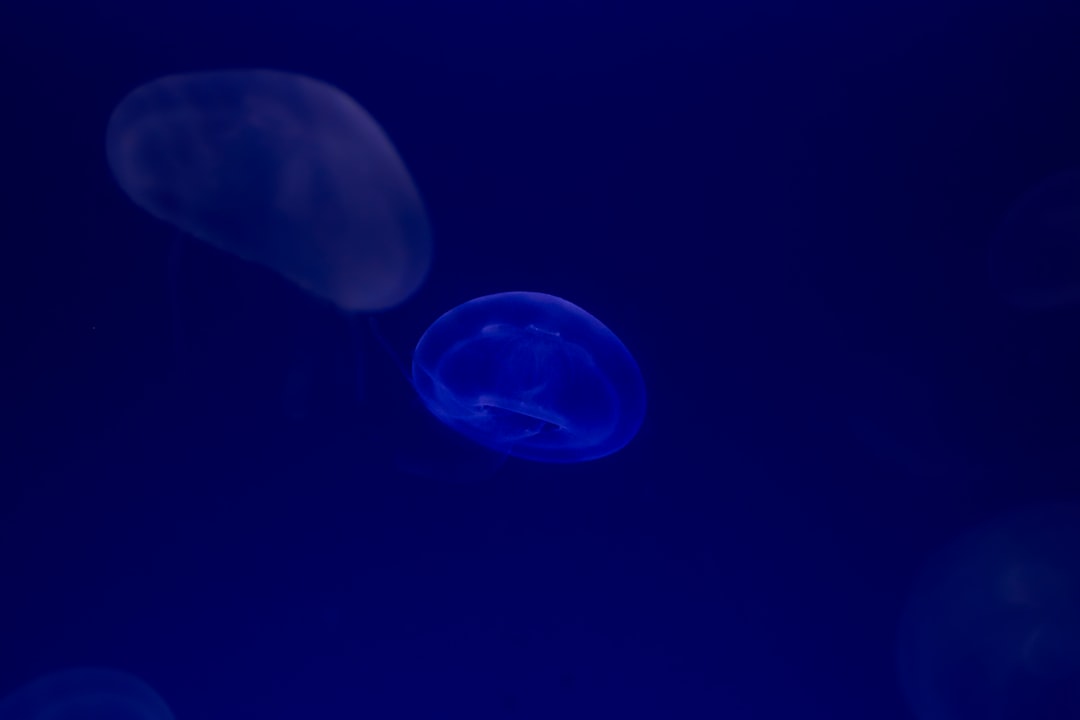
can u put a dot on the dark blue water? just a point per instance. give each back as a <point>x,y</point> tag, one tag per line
<point>219,484</point>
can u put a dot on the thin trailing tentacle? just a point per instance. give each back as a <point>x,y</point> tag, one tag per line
<point>174,267</point>
<point>385,345</point>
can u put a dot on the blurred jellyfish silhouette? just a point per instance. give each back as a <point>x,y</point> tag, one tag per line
<point>85,694</point>
<point>279,169</point>
<point>286,172</point>
<point>1035,255</point>
<point>992,628</point>
<point>531,375</point>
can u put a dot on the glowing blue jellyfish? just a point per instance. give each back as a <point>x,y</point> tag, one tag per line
<point>85,694</point>
<point>992,630</point>
<point>531,375</point>
<point>1035,256</point>
<point>278,169</point>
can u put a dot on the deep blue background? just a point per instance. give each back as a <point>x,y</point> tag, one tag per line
<point>782,208</point>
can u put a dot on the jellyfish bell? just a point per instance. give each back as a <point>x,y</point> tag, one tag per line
<point>532,375</point>
<point>992,628</point>
<point>278,169</point>
<point>85,694</point>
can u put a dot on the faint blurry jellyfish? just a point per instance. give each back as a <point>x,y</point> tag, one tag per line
<point>85,694</point>
<point>531,375</point>
<point>992,630</point>
<point>279,169</point>
<point>1035,257</point>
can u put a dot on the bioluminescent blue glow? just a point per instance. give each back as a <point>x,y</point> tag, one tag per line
<point>531,375</point>
<point>992,629</point>
<point>85,694</point>
<point>281,170</point>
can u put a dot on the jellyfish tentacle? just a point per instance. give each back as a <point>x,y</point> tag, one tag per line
<point>380,338</point>
<point>174,265</point>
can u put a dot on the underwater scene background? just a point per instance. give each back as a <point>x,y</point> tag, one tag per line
<point>561,360</point>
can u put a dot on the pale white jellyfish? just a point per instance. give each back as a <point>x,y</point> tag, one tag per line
<point>279,169</point>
